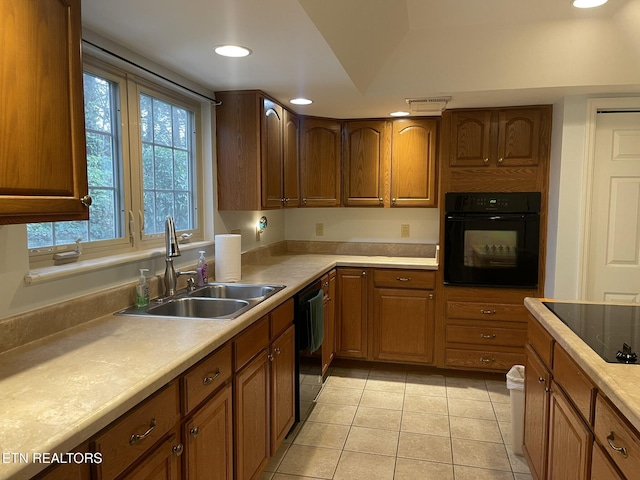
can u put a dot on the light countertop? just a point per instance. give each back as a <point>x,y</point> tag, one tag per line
<point>59,391</point>
<point>619,382</point>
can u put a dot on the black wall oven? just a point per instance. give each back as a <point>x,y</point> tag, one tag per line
<point>492,239</point>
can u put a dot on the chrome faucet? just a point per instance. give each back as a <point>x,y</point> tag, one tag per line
<point>172,250</point>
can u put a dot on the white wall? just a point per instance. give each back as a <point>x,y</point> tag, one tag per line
<point>246,222</point>
<point>363,224</point>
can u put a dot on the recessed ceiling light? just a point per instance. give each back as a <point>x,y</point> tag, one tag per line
<point>301,101</point>
<point>232,51</point>
<point>587,3</point>
<point>399,114</point>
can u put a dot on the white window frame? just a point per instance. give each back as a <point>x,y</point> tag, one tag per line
<point>134,241</point>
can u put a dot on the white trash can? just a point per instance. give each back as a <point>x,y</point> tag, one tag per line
<point>515,384</point>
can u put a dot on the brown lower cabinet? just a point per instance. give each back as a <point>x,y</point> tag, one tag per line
<point>351,313</point>
<point>571,431</point>
<point>208,440</point>
<point>220,420</point>
<point>570,441</point>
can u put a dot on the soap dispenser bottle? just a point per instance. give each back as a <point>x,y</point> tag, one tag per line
<point>202,270</point>
<point>142,290</point>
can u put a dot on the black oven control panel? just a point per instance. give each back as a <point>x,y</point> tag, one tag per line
<point>502,202</point>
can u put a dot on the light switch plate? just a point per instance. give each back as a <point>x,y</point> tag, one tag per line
<point>319,229</point>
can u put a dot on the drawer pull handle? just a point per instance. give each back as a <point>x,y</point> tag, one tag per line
<point>488,337</point>
<point>209,379</point>
<point>403,279</point>
<point>487,312</point>
<point>621,450</point>
<point>487,360</point>
<point>178,449</point>
<point>194,431</point>
<point>135,438</point>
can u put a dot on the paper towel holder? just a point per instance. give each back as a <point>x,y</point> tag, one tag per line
<point>262,224</point>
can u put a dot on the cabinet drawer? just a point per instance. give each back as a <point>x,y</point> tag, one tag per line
<point>540,340</point>
<point>206,377</point>
<point>487,334</point>
<point>282,317</point>
<point>613,432</point>
<point>132,435</point>
<point>404,278</point>
<point>250,342</point>
<point>490,360</point>
<point>601,466</point>
<point>574,382</point>
<point>487,311</point>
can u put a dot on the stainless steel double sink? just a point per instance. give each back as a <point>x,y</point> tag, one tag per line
<point>215,301</point>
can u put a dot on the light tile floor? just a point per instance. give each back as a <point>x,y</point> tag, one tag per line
<point>392,425</point>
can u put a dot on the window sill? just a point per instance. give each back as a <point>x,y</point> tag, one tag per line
<point>45,274</point>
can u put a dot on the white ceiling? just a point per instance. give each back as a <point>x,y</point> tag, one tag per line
<point>363,58</point>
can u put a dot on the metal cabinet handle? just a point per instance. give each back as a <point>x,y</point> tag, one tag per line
<point>209,379</point>
<point>381,201</point>
<point>271,357</point>
<point>487,312</point>
<point>194,431</point>
<point>403,279</point>
<point>500,160</point>
<point>364,274</point>
<point>393,200</point>
<point>541,380</point>
<point>86,200</point>
<point>621,450</point>
<point>178,449</point>
<point>277,350</point>
<point>431,296</point>
<point>304,201</point>
<point>487,360</point>
<point>135,438</point>
<point>485,161</point>
<point>547,389</point>
<point>489,337</point>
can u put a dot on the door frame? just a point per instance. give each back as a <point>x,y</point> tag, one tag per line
<point>594,105</point>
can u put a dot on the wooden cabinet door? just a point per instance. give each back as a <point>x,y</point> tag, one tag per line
<point>413,163</point>
<point>470,142</point>
<point>208,439</point>
<point>251,407</point>
<point>351,313</point>
<point>601,467</point>
<point>537,383</point>
<point>403,325</point>
<point>367,154</point>
<point>519,137</point>
<point>283,358</point>
<point>43,166</point>
<point>163,463</point>
<point>291,154</point>
<point>570,441</point>
<point>320,163</point>
<point>329,342</point>
<point>271,154</point>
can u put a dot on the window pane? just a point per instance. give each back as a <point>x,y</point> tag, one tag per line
<point>168,164</point>
<point>103,173</point>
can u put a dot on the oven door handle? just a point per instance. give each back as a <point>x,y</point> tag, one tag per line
<point>458,217</point>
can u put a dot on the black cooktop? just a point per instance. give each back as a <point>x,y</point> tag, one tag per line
<point>612,331</point>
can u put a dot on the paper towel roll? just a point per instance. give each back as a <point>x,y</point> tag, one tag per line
<point>228,260</point>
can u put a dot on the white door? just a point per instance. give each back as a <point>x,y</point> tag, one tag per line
<point>613,270</point>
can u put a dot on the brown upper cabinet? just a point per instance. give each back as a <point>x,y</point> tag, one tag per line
<point>320,162</point>
<point>366,147</point>
<point>390,163</point>
<point>257,152</point>
<point>413,163</point>
<point>43,166</point>
<point>497,138</point>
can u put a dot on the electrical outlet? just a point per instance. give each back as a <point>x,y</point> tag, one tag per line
<point>319,229</point>
<point>404,230</point>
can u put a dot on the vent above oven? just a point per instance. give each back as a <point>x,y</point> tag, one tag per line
<point>434,105</point>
